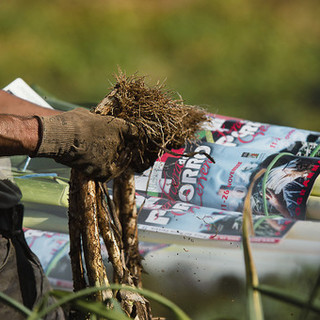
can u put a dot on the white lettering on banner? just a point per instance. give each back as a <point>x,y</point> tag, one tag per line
<point>248,129</point>
<point>235,226</point>
<point>245,133</point>
<point>213,124</point>
<point>202,149</point>
<point>182,161</point>
<point>157,217</point>
<point>194,163</point>
<point>186,192</point>
<point>226,141</point>
<point>150,203</point>
<point>189,176</point>
<point>190,173</point>
<point>219,228</point>
<point>182,206</point>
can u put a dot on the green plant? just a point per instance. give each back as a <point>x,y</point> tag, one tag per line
<point>79,300</point>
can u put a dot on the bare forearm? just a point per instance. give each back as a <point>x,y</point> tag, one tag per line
<point>10,104</point>
<point>18,135</point>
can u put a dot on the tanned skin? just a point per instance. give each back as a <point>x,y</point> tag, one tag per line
<point>18,128</point>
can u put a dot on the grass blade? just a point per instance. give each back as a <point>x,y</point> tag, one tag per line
<point>67,297</point>
<point>15,304</point>
<point>99,309</point>
<point>284,296</point>
<point>254,304</point>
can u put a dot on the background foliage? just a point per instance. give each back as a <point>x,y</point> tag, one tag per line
<point>252,59</point>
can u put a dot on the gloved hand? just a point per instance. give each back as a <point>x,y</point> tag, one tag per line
<point>101,147</point>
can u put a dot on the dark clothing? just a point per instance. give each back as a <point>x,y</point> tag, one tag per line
<point>21,274</point>
<point>10,194</point>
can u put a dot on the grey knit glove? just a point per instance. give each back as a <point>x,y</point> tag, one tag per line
<point>101,147</point>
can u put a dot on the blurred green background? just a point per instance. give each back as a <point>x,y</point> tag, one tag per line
<point>258,60</point>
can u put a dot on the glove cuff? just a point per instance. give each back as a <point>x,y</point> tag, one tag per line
<point>56,136</point>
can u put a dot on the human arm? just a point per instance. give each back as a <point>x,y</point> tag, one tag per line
<point>18,135</point>
<point>10,104</point>
<point>18,129</point>
<point>102,147</point>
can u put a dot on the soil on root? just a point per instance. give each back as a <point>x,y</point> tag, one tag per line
<point>163,123</point>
